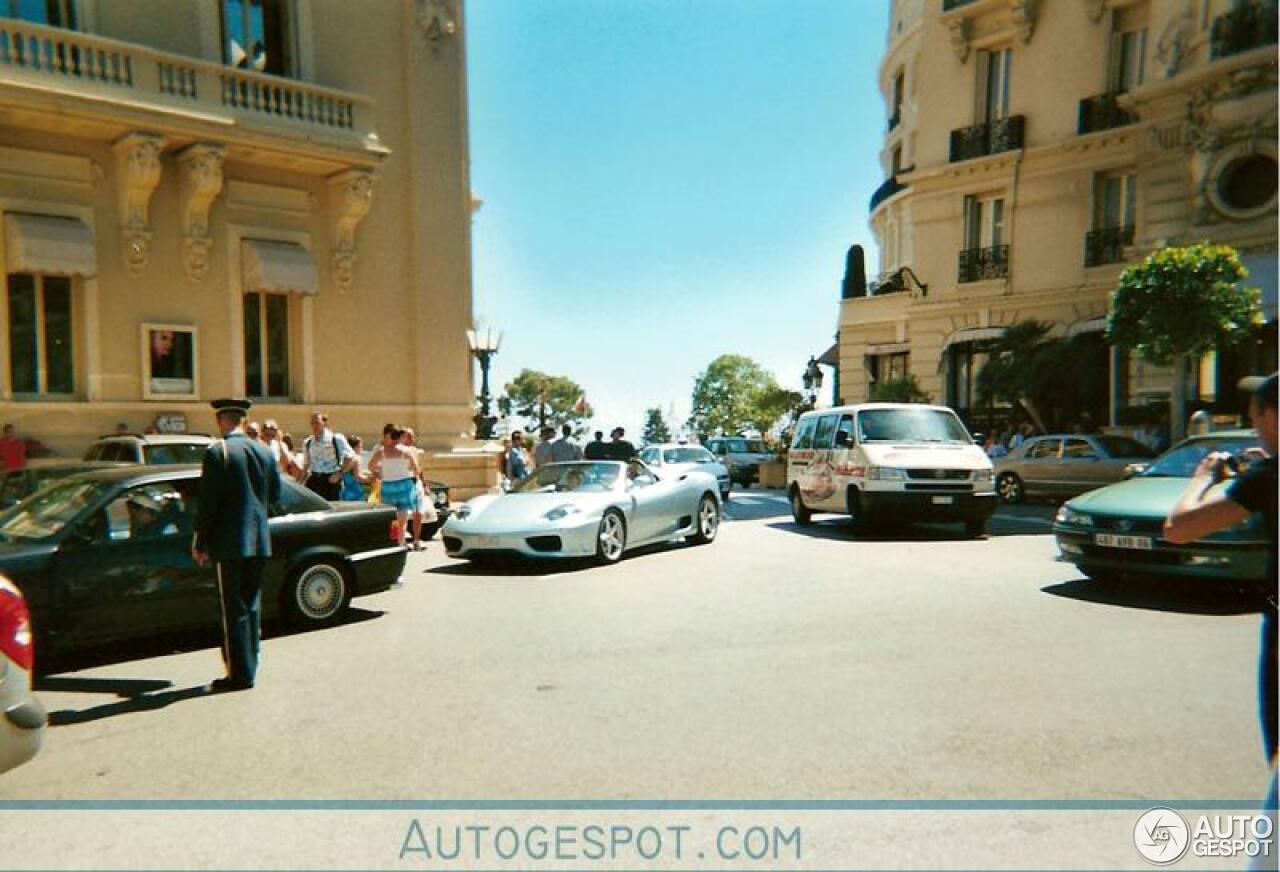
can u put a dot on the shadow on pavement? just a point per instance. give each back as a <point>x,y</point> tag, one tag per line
<point>1162,595</point>
<point>161,645</point>
<point>517,566</point>
<point>757,505</point>
<point>139,703</point>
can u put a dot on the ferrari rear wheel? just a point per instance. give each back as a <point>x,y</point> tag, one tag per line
<point>612,541</point>
<point>708,520</point>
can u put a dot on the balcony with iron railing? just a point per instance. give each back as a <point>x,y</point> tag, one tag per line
<point>107,75</point>
<point>1107,245</point>
<point>1103,112</point>
<point>993,137</point>
<point>980,264</point>
<point>948,5</point>
<point>887,189</point>
<point>1249,26</point>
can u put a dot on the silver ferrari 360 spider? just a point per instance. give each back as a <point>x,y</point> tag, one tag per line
<point>587,509</point>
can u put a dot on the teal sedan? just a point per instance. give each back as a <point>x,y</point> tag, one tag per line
<point>1118,530</point>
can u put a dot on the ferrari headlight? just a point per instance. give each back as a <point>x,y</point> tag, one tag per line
<point>560,512</point>
<point>1072,517</point>
<point>885,473</point>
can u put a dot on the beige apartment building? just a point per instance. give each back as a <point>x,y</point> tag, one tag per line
<point>261,198</point>
<point>1033,150</point>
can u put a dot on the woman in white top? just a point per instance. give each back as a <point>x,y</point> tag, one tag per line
<point>398,471</point>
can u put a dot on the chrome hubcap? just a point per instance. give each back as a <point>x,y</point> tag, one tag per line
<point>611,537</point>
<point>1008,488</point>
<point>320,592</point>
<point>709,519</point>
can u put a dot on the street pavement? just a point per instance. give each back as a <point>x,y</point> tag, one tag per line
<point>778,662</point>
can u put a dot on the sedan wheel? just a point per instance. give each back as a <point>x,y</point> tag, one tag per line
<point>318,594</point>
<point>612,541</point>
<point>708,520</point>
<point>1009,486</point>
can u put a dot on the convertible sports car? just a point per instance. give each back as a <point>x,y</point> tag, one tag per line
<point>105,556</point>
<point>588,509</point>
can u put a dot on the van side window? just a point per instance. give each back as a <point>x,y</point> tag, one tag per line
<point>846,427</point>
<point>825,432</point>
<point>804,434</point>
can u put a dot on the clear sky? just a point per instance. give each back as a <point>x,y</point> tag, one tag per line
<point>665,181</point>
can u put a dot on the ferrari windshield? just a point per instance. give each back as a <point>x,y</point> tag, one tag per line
<point>911,425</point>
<point>47,512</point>
<point>1181,460</point>
<point>569,478</point>
<point>690,454</point>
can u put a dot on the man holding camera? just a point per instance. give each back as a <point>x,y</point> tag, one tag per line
<point>1202,510</point>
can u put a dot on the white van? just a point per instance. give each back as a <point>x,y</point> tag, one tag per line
<point>896,461</point>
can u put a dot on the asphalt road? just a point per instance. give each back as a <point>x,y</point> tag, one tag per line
<point>778,662</point>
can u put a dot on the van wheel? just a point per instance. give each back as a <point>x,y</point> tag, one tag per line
<point>853,507</point>
<point>799,512</point>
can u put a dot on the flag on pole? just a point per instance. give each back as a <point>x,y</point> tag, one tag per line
<point>580,407</point>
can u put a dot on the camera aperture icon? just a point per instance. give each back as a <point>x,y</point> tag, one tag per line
<point>1161,836</point>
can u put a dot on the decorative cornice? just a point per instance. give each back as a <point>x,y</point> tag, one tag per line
<point>1024,17</point>
<point>351,195</point>
<point>437,19</point>
<point>1095,9</point>
<point>138,169</point>
<point>201,182</point>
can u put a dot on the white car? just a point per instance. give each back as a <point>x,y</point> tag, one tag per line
<point>151,448</point>
<point>600,509</point>
<point>673,459</point>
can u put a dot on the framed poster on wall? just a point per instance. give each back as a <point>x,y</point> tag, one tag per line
<point>169,362</point>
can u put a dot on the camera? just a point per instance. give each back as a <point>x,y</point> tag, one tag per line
<point>1232,463</point>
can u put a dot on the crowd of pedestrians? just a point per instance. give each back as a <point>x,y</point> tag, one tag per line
<point>516,461</point>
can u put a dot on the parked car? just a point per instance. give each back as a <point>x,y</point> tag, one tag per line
<point>162,448</point>
<point>440,499</point>
<point>595,509</point>
<point>892,461</point>
<point>22,730</point>
<point>741,455</point>
<point>105,556</point>
<point>1118,530</point>
<point>1066,465</point>
<point>18,484</point>
<point>673,459</point>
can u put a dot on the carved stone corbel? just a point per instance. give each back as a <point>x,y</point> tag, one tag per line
<point>138,169</point>
<point>437,19</point>
<point>201,182</point>
<point>960,38</point>
<point>351,195</point>
<point>1024,17</point>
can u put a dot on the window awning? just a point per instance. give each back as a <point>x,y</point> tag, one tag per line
<point>830,357</point>
<point>46,244</point>
<point>1093,325</point>
<point>973,334</point>
<point>886,348</point>
<point>278,267</point>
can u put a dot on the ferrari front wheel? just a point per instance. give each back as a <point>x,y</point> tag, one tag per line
<point>612,539</point>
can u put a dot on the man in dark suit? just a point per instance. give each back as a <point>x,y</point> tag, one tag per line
<point>238,483</point>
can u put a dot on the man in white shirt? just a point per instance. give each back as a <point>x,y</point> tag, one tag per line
<point>325,454</point>
<point>542,452</point>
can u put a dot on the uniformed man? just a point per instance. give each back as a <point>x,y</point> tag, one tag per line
<point>239,481</point>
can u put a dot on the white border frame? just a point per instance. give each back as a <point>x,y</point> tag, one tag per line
<point>145,339</point>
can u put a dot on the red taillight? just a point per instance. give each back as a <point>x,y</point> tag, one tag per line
<point>15,628</point>
<point>395,530</point>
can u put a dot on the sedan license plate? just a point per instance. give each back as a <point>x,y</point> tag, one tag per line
<point>943,501</point>
<point>1110,540</point>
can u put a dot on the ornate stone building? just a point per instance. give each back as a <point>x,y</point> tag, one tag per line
<point>1033,150</point>
<point>263,198</point>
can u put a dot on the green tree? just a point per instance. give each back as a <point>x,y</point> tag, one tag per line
<point>899,390</point>
<point>773,403</point>
<point>1181,303</point>
<point>536,396</point>
<point>1051,378</point>
<point>655,427</point>
<point>733,393</point>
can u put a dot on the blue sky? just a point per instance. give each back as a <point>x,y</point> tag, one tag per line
<point>665,181</point>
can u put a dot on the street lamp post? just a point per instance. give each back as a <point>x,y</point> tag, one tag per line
<point>812,381</point>
<point>484,345</point>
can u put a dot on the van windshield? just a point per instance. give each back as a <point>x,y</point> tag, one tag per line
<point>911,425</point>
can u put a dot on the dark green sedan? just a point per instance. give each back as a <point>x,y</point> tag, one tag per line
<point>104,557</point>
<point>1116,531</point>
